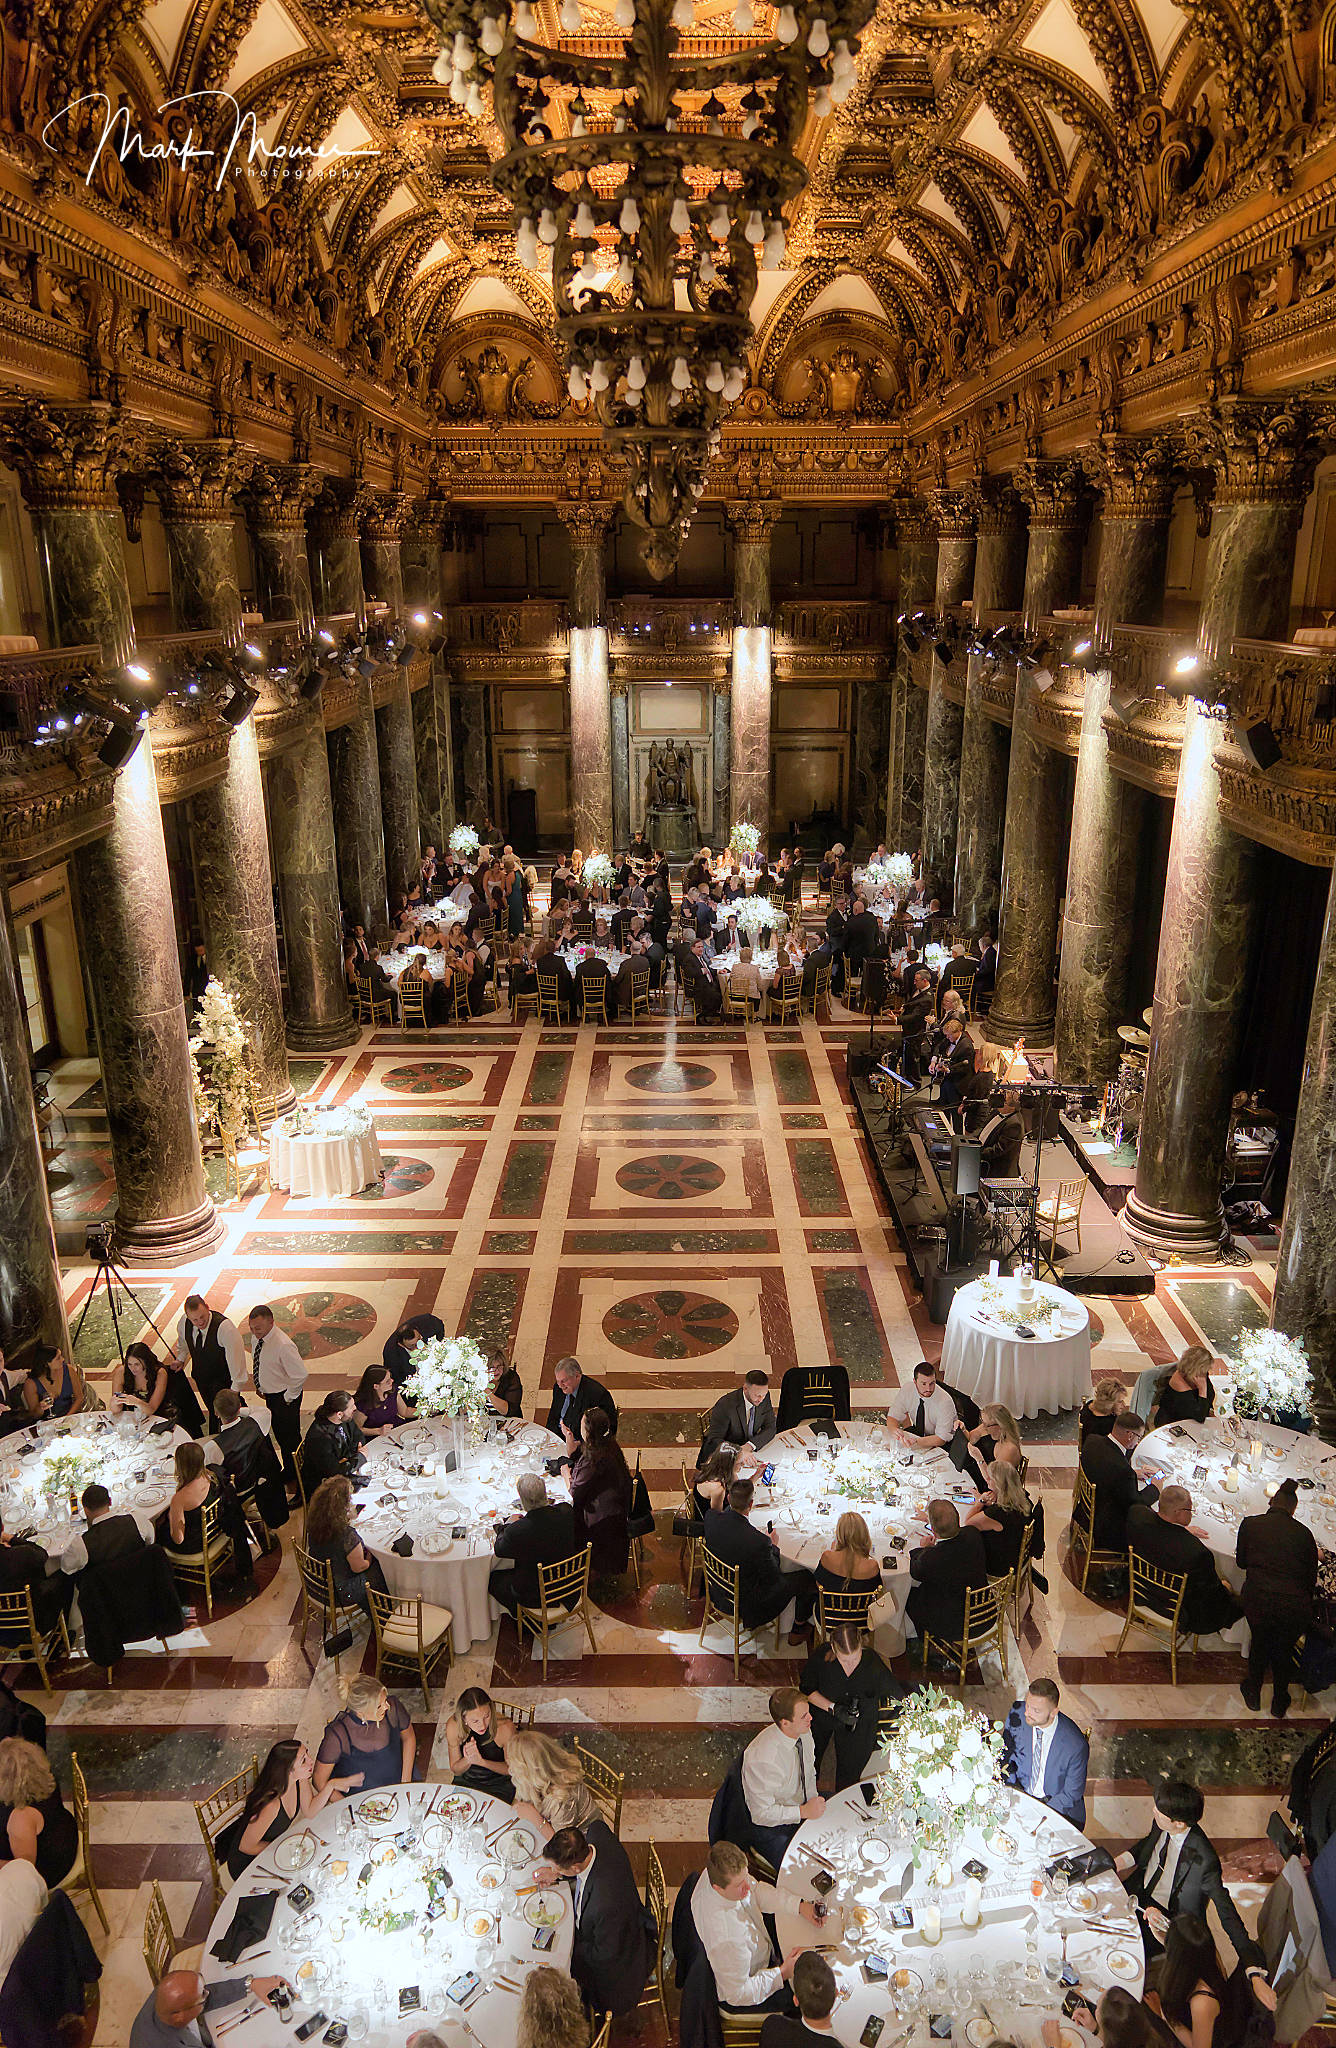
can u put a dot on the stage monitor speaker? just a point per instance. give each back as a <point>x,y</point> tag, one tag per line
<point>1257,742</point>
<point>966,1157</point>
<point>874,984</point>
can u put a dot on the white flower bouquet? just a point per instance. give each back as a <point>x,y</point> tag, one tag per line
<point>865,1476</point>
<point>758,914</point>
<point>445,913</point>
<point>744,839</point>
<point>1273,1380</point>
<point>224,1096</point>
<point>893,877</point>
<point>942,1771</point>
<point>464,843</point>
<point>449,1378</point>
<point>598,871</point>
<point>935,958</point>
<point>65,1467</point>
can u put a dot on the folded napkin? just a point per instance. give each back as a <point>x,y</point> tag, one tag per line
<point>161,1428</point>
<point>403,1545</point>
<point>1082,1866</point>
<point>249,1925</point>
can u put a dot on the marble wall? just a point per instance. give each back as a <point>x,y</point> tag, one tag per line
<point>81,560</point>
<point>945,719</point>
<point>591,740</point>
<point>749,750</point>
<point>999,579</point>
<point>202,564</point>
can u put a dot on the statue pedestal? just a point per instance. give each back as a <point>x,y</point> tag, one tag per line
<point>671,829</point>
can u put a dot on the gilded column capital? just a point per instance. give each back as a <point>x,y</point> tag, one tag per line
<point>1135,475</point>
<point>197,480</point>
<point>428,519</point>
<point>586,521</point>
<point>754,520</point>
<point>1056,494</point>
<point>340,505</point>
<point>1001,507</point>
<point>1260,451</point>
<point>69,458</point>
<point>955,513</point>
<point>278,495</point>
<point>386,516</point>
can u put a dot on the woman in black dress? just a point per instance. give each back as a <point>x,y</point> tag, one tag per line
<point>34,1822</point>
<point>849,1566</point>
<point>282,1794</point>
<point>332,1539</point>
<point>1186,1393</point>
<point>156,1388</point>
<point>371,1743</point>
<point>1102,1410</point>
<point>197,1486</point>
<point>601,1494</point>
<point>505,1393</point>
<point>846,1682</point>
<point>1000,1517</point>
<point>478,1737</point>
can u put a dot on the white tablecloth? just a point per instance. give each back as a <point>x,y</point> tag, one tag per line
<point>1218,1512</point>
<point>805,1503</point>
<point>449,1572</point>
<point>1013,1986</point>
<point>340,1966</point>
<point>435,963</point>
<point>325,1163</point>
<point>611,957</point>
<point>135,1466</point>
<point>765,961</point>
<point>988,1360</point>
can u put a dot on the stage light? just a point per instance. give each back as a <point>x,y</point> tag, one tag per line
<point>1123,701</point>
<point>239,708</point>
<point>1257,742</point>
<point>119,744</point>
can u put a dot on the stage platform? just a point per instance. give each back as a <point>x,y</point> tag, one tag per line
<point>1113,1172</point>
<point>1107,1262</point>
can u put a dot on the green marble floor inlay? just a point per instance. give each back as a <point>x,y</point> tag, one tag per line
<point>525,1177</point>
<point>657,1243</point>
<point>305,1075</point>
<point>1214,1756</point>
<point>818,1180</point>
<point>96,1343</point>
<point>1222,1309</point>
<point>345,1243</point>
<point>793,1077</point>
<point>804,1120</point>
<point>547,1080</point>
<point>856,1339</point>
<point>509,1244</point>
<point>492,1310</point>
<point>832,1240</point>
<point>537,1120</point>
<point>399,1126</point>
<point>702,1120</point>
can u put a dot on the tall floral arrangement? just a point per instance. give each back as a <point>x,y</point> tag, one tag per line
<point>893,877</point>
<point>597,872</point>
<point>1273,1379</point>
<point>464,843</point>
<point>744,839</point>
<point>758,914</point>
<point>445,913</point>
<point>223,1094</point>
<point>935,957</point>
<point>449,1378</point>
<point>942,1773</point>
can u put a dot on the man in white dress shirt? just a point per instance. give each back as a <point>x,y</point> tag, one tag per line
<point>728,1908</point>
<point>209,1345</point>
<point>279,1374</point>
<point>779,1775</point>
<point>923,1414</point>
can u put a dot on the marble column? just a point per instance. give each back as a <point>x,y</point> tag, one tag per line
<point>954,514</point>
<point>228,838</point>
<point>909,700</point>
<point>472,700</point>
<point>591,710</point>
<point>336,555</point>
<point>420,559</point>
<point>319,1017</point>
<point>277,498</point>
<point>382,538</point>
<point>1304,1301</point>
<point>1108,812</point>
<point>354,779</point>
<point>1023,1006</point>
<point>32,1305</point>
<point>1263,459</point>
<point>67,464</point>
<point>398,786</point>
<point>749,682</point>
<point>721,744</point>
<point>999,581</point>
<point>620,708</point>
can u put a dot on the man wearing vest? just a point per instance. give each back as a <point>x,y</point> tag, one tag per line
<point>209,1346</point>
<point>108,1538</point>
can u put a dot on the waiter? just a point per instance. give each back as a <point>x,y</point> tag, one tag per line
<point>209,1346</point>
<point>279,1374</point>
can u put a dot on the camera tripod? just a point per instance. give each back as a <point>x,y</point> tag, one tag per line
<point>97,1243</point>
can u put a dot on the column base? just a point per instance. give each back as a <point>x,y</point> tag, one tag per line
<point>169,1240</point>
<point>332,1037</point>
<point>1168,1233</point>
<point>1001,1030</point>
<point>285,1100</point>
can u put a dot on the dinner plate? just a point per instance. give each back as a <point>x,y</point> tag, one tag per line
<point>875,1851</point>
<point>309,1976</point>
<point>491,1877</point>
<point>979,2031</point>
<point>1122,1964</point>
<point>377,1808</point>
<point>456,1806</point>
<point>294,1852</point>
<point>479,1925</point>
<point>433,1545</point>
<point>905,1980</point>
<point>1000,1844</point>
<point>545,1909</point>
<point>1083,1900</point>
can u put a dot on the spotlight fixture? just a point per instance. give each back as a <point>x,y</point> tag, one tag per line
<point>1083,655</point>
<point>240,705</point>
<point>1256,740</point>
<point>312,683</point>
<point>1123,701</point>
<point>1187,678</point>
<point>119,744</point>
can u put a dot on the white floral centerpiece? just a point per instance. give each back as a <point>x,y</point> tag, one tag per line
<point>464,843</point>
<point>445,913</point>
<point>598,871</point>
<point>64,1467</point>
<point>449,1378</point>
<point>744,839</point>
<point>758,914</point>
<point>935,958</point>
<point>1273,1381</point>
<point>893,877</point>
<point>350,1120</point>
<point>866,1476</point>
<point>942,1773</point>
<point>223,1097</point>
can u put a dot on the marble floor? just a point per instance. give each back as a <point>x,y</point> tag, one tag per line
<point>676,1205</point>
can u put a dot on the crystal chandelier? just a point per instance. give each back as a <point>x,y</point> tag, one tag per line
<point>658,182</point>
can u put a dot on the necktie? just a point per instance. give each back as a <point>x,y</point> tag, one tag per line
<point>1037,1761</point>
<point>802,1775</point>
<point>255,1362</point>
<point>1159,1857</point>
<point>921,1421</point>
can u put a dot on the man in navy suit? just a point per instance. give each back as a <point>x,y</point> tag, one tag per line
<point>1045,1753</point>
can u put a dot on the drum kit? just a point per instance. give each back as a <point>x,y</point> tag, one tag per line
<point>1120,1111</point>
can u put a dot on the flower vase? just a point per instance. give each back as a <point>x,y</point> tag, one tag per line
<point>459,1430</point>
<point>942,1873</point>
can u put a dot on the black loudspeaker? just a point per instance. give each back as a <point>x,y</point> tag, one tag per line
<point>966,1156</point>
<point>1255,739</point>
<point>874,984</point>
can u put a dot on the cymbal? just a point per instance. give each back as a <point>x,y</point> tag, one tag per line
<point>1147,1014</point>
<point>1132,1034</point>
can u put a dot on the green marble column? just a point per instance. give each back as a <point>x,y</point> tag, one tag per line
<point>32,1305</point>
<point>985,744</point>
<point>749,684</point>
<point>954,514</point>
<point>319,1018</point>
<point>382,536</point>
<point>398,787</point>
<point>1304,1301</point>
<point>195,482</point>
<point>68,459</point>
<point>917,540</point>
<point>336,552</point>
<point>354,776</point>
<point>591,710</point>
<point>420,558</point>
<point>277,499</point>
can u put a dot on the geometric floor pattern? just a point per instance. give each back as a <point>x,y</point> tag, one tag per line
<point>675,1206</point>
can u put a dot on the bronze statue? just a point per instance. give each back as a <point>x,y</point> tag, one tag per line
<point>668,785</point>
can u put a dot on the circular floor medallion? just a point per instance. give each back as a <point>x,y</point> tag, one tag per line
<point>425,1077</point>
<point>399,1177</point>
<point>672,1077</point>
<point>321,1324</point>
<point>670,1323</point>
<point>670,1177</point>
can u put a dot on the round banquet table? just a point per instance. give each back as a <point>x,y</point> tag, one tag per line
<point>1180,1450</point>
<point>135,1466</point>
<point>351,1968</point>
<point>611,956</point>
<point>447,1571</point>
<point>764,960</point>
<point>805,1505</point>
<point>395,962</point>
<point>990,1361</point>
<point>1009,1949</point>
<point>327,1161</point>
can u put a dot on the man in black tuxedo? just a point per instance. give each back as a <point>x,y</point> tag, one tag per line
<point>379,987</point>
<point>108,1538</point>
<point>953,1063</point>
<point>1106,1464</point>
<point>948,1564</point>
<point>247,1455</point>
<point>700,980</point>
<point>333,1446</point>
<point>593,975</point>
<point>572,1394</point>
<point>543,1534</point>
<point>1279,1560</point>
<point>1162,1536</point>
<point>611,1958</point>
<point>764,1587</point>
<point>815,1992</point>
<point>414,1330</point>
<point>862,936</point>
<point>985,981</point>
<point>914,1022</point>
<point>837,926</point>
<point>745,1416</point>
<point>24,1564</point>
<point>1173,1869</point>
<point>1003,1137</point>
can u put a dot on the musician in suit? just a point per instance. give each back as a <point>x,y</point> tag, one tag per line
<point>949,1563</point>
<point>745,1416</point>
<point>914,1022</point>
<point>414,1330</point>
<point>1045,1753</point>
<point>1003,1138</point>
<point>1163,1537</point>
<point>544,1533</point>
<point>1279,1560</point>
<point>1106,1464</point>
<point>1173,1869</point>
<point>572,1394</point>
<point>611,1958</point>
<point>764,1587</point>
<point>953,1064</point>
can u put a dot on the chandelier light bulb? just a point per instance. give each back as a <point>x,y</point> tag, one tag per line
<point>681,374</point>
<point>706,270</point>
<point>714,376</point>
<point>526,244</point>
<point>547,226</point>
<point>755,229</point>
<point>598,375</point>
<point>633,396</point>
<point>459,92</point>
<point>624,269</point>
<point>443,70</point>
<point>624,13</point>
<point>818,38</point>
<point>772,253</point>
<point>719,223</point>
<point>575,384</point>
<point>569,17</point>
<point>744,17</point>
<point>786,27</point>
<point>584,218</point>
<point>841,86</point>
<point>526,21</point>
<point>464,53</point>
<point>750,125</point>
<point>588,272</point>
<point>684,14</point>
<point>735,383</point>
<point>628,220</point>
<point>679,220</point>
<point>473,101</point>
<point>635,374</point>
<point>577,124</point>
<point>490,37</point>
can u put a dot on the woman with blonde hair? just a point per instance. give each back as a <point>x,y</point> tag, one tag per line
<point>997,1436</point>
<point>1000,1516</point>
<point>552,2013</point>
<point>478,1738</point>
<point>1101,1411</point>
<point>550,1788</point>
<point>848,1566</point>
<point>1185,1393</point>
<point>371,1743</point>
<point>35,1824</point>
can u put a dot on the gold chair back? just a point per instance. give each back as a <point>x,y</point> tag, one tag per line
<point>606,1785</point>
<point>220,1807</point>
